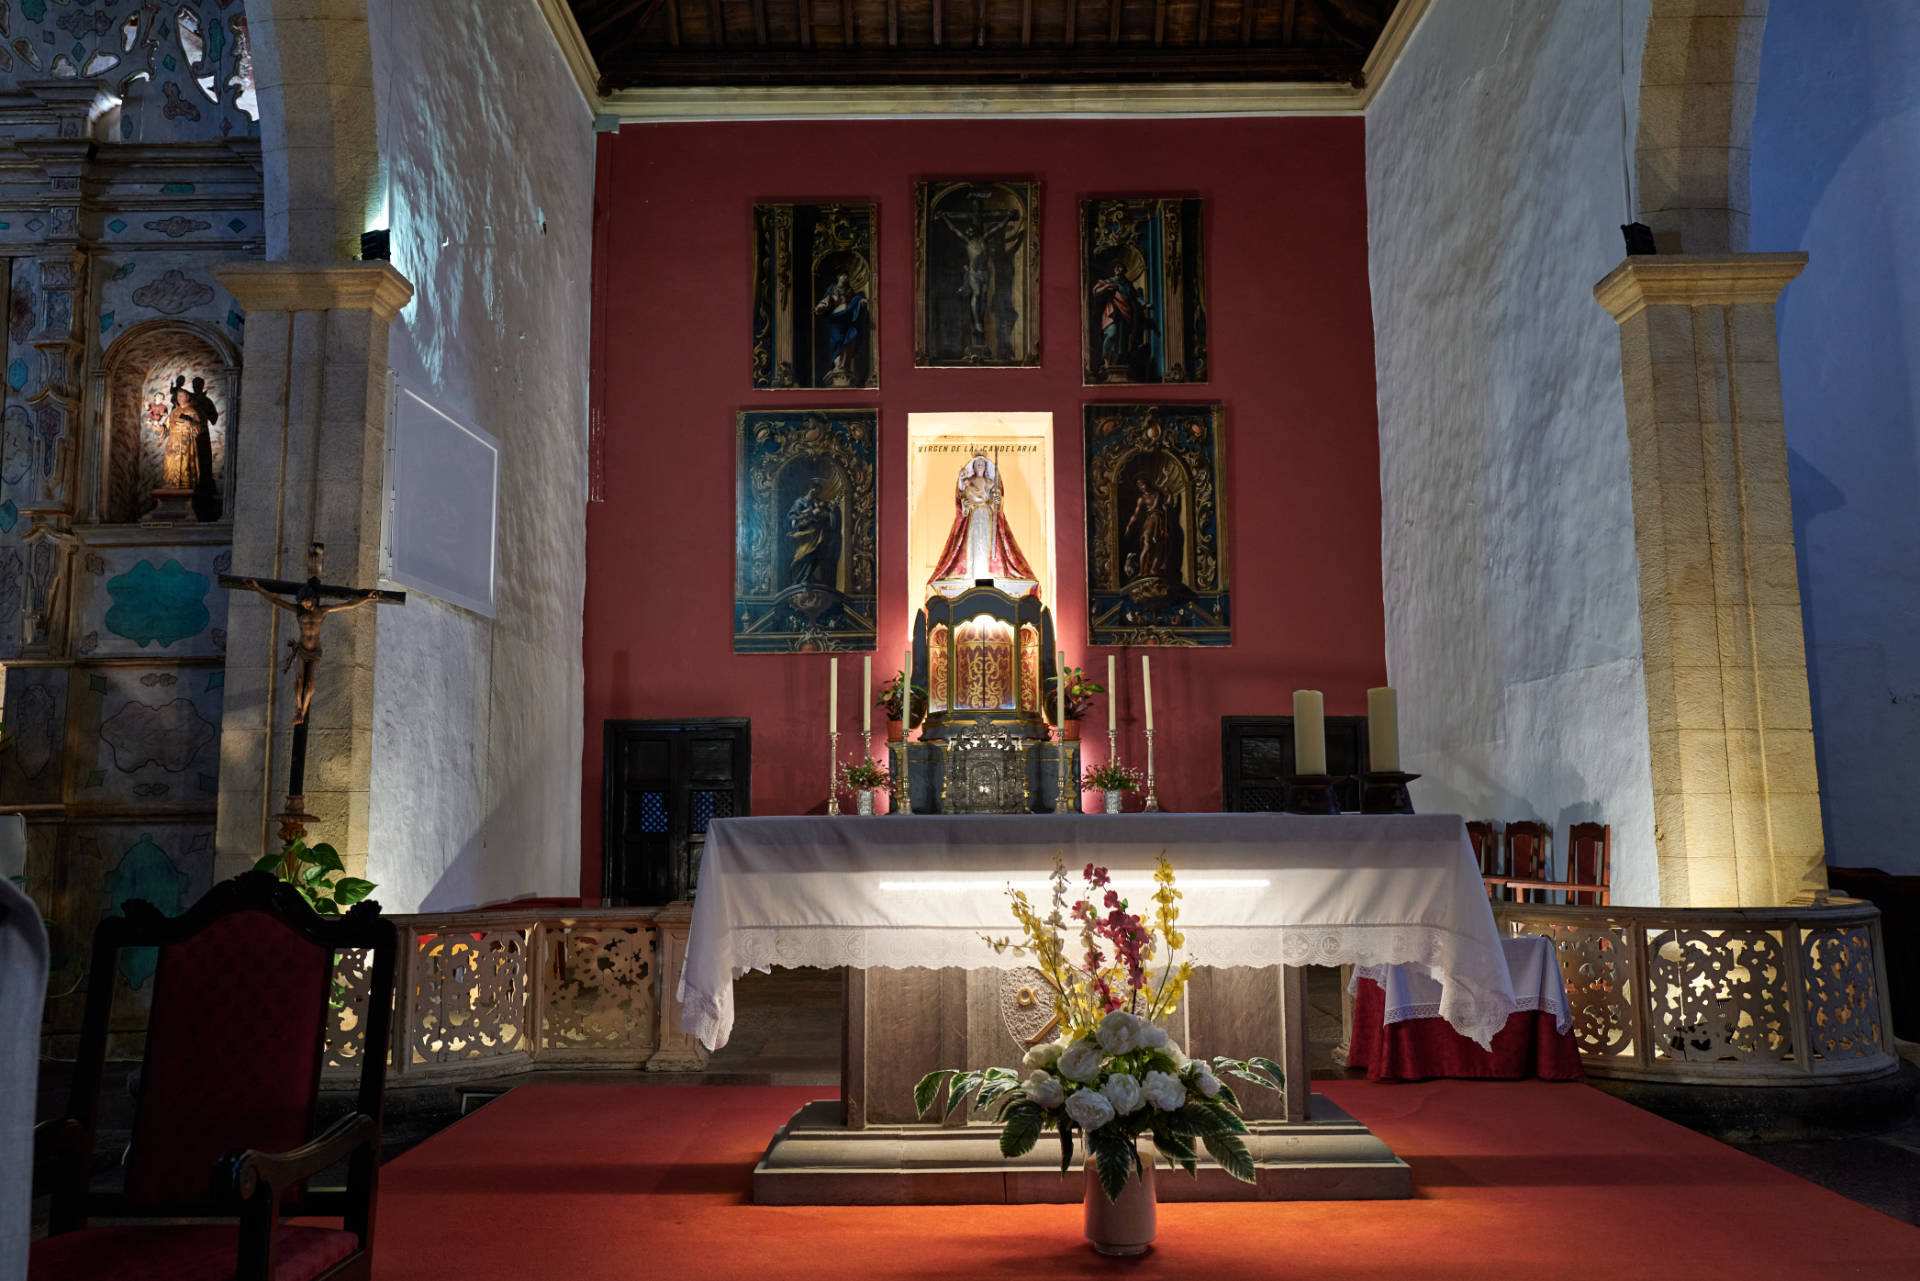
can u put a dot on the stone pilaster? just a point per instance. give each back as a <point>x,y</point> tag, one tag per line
<point>1736,795</point>
<point>309,470</point>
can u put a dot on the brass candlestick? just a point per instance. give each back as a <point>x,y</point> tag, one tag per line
<point>833,770</point>
<point>1311,794</point>
<point>1113,745</point>
<point>903,793</point>
<point>1062,783</point>
<point>1385,792</point>
<point>1153,801</point>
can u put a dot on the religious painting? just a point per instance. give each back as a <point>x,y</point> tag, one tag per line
<point>1156,534</point>
<point>806,531</point>
<point>815,282</point>
<point>1143,287</point>
<point>977,283</point>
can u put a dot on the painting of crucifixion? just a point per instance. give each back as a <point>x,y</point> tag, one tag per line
<point>977,273</point>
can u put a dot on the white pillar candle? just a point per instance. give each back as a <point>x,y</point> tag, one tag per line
<point>1383,730</point>
<point>906,694</point>
<point>833,695</point>
<point>1146,688</point>
<point>1309,732</point>
<point>1060,692</point>
<point>1113,693</point>
<point>866,693</point>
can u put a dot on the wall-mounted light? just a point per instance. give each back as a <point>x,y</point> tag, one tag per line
<point>1639,238</point>
<point>375,245</point>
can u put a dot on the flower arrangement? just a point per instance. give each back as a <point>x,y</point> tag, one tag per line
<point>865,776</point>
<point>893,700</point>
<point>1113,1074</point>
<point>1080,691</point>
<point>1114,776</point>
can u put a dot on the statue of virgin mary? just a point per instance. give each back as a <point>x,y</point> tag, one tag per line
<point>980,545</point>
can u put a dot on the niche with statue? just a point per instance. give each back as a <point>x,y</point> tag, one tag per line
<point>170,392</point>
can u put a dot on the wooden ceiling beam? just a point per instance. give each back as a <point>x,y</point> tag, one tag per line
<point>1114,8</point>
<point>717,33</point>
<point>1026,23</point>
<point>848,35</point>
<point>1000,64</point>
<point>1287,15</point>
<point>638,29</point>
<point>1247,8</point>
<point>893,24</point>
<point>612,17</point>
<point>1159,21</point>
<point>673,23</point>
<point>979,24</point>
<point>939,25</point>
<point>1073,20</point>
<point>805,9</point>
<point>760,22</point>
<point>1206,20</point>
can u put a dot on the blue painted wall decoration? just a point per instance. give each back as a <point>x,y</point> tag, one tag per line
<point>160,604</point>
<point>145,872</point>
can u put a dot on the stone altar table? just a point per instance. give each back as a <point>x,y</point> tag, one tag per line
<point>903,903</point>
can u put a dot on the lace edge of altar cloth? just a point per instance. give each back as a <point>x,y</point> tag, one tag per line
<point>1475,1005</point>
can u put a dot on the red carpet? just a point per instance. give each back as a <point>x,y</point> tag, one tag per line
<point>1521,1179</point>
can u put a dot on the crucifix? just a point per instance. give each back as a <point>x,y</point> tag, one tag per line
<point>309,603</point>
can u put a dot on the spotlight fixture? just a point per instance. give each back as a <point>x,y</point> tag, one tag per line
<point>374,246</point>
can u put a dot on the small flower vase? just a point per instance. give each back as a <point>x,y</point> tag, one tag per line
<point>864,797</point>
<point>1114,797</point>
<point>1125,1226</point>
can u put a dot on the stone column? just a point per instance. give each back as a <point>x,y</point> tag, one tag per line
<point>312,447</point>
<point>1736,796</point>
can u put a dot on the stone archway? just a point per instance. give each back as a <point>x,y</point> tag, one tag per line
<point>1698,77</point>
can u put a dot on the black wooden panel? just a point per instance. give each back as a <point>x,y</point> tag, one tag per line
<point>1256,754</point>
<point>665,782</point>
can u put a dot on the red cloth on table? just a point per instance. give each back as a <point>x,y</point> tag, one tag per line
<point>1422,1049</point>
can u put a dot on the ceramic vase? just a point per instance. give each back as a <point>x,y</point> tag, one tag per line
<point>1125,1226</point>
<point>1114,797</point>
<point>864,798</point>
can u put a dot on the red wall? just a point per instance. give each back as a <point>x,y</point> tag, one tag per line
<point>1291,335</point>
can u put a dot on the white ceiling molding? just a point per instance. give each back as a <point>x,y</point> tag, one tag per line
<point>573,47</point>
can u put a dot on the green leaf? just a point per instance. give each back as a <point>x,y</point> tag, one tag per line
<point>957,1092</point>
<point>929,1089</point>
<point>326,858</point>
<point>1272,1069</point>
<point>326,907</point>
<point>268,863</point>
<point>1197,1120</point>
<point>1232,1155</point>
<point>349,890</point>
<point>1231,1099</point>
<point>311,874</point>
<point>1066,1142</point>
<point>1023,1130</point>
<point>993,1090</point>
<point>1179,1153</point>
<point>1114,1158</point>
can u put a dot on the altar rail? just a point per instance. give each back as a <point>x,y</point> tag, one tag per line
<point>1722,996</point>
<point>481,994</point>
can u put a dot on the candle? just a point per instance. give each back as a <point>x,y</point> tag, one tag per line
<point>1113,692</point>
<point>1383,730</point>
<point>1309,732</point>
<point>1146,689</point>
<point>833,695</point>
<point>866,693</point>
<point>1060,690</point>
<point>906,694</point>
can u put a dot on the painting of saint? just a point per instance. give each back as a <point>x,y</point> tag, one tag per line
<point>1156,541</point>
<point>1143,295</point>
<point>806,534</point>
<point>814,283</point>
<point>977,280</point>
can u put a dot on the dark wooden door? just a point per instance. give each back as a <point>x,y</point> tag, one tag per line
<point>1256,753</point>
<point>665,781</point>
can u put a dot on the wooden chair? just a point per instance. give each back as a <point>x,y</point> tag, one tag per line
<point>228,1088</point>
<point>1486,847</point>
<point>1590,862</point>
<point>1529,857</point>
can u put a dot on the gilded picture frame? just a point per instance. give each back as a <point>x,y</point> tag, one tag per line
<point>1143,286</point>
<point>976,273</point>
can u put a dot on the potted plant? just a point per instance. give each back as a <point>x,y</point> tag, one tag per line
<point>893,702</point>
<point>863,778</point>
<point>1113,1076</point>
<point>1080,692</point>
<point>1115,778</point>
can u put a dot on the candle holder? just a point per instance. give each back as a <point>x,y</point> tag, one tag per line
<point>1385,792</point>
<point>903,793</point>
<point>833,766</point>
<point>1065,784</point>
<point>1113,745</point>
<point>1311,794</point>
<point>1153,802</point>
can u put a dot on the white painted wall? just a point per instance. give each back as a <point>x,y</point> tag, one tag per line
<point>1836,172</point>
<point>1496,187</point>
<point>487,150</point>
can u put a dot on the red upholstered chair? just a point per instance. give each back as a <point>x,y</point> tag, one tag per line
<point>224,1125</point>
<point>1590,862</point>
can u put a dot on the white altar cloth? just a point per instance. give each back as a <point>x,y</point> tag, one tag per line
<point>1258,889</point>
<point>1533,967</point>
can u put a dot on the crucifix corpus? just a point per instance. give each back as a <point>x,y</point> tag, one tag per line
<point>309,603</point>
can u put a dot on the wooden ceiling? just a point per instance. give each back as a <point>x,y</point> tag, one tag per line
<point>650,43</point>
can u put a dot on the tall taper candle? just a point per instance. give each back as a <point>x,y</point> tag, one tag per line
<point>1383,730</point>
<point>1060,690</point>
<point>833,695</point>
<point>1309,732</point>
<point>906,695</point>
<point>1146,688</point>
<point>866,693</point>
<point>1113,693</point>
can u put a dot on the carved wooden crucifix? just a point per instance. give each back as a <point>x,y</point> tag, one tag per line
<point>309,603</point>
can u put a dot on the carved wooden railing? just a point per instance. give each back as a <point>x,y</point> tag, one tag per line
<point>1726,996</point>
<point>488,993</point>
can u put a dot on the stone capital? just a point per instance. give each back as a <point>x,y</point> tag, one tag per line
<point>1694,280</point>
<point>351,286</point>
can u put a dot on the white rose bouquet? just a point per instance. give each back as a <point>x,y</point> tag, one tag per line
<point>1113,1074</point>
